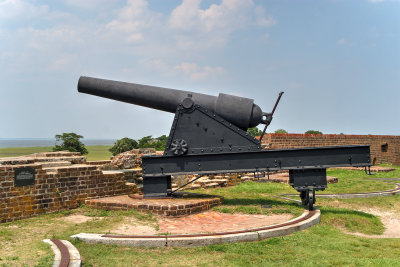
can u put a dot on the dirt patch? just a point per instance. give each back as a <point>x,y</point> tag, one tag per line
<point>390,220</point>
<point>133,227</point>
<point>79,218</point>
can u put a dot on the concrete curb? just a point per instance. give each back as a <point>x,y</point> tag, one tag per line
<point>253,234</point>
<point>75,257</point>
<point>391,192</point>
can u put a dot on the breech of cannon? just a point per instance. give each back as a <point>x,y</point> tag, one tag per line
<point>239,111</point>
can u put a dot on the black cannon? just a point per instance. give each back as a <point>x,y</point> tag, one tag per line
<point>208,136</point>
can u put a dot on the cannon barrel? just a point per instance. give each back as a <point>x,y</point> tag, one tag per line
<point>240,111</point>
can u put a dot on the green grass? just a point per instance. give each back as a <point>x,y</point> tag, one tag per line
<point>388,203</point>
<point>98,153</point>
<point>357,181</point>
<point>20,151</point>
<point>95,152</point>
<point>321,245</point>
<point>325,244</point>
<point>23,239</point>
<point>254,198</point>
<point>352,220</point>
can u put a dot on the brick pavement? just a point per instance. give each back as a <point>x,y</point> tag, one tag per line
<point>212,221</point>
<point>167,207</point>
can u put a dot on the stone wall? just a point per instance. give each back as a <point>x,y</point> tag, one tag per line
<point>55,189</point>
<point>384,148</point>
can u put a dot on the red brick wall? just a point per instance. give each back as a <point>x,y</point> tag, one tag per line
<point>67,188</point>
<point>392,155</point>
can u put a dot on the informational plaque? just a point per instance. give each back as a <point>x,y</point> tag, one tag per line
<point>24,176</point>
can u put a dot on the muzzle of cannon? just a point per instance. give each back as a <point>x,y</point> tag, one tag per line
<point>208,136</point>
<point>240,111</point>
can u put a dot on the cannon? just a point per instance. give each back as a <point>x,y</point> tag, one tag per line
<point>208,136</point>
<point>240,111</point>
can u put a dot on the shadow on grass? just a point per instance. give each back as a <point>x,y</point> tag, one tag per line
<point>337,211</point>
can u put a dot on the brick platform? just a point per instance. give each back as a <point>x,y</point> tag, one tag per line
<point>167,207</point>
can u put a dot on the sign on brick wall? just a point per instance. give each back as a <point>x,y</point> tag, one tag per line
<point>24,176</point>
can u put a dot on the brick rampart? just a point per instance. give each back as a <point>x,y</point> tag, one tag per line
<point>54,190</point>
<point>384,148</point>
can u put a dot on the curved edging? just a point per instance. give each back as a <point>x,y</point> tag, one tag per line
<point>65,254</point>
<point>390,192</point>
<point>306,220</point>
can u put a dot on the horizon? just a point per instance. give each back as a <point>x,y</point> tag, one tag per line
<point>84,138</point>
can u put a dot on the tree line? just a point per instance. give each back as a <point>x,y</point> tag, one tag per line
<point>72,143</point>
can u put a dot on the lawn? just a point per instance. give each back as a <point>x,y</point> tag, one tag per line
<point>95,152</point>
<point>324,244</point>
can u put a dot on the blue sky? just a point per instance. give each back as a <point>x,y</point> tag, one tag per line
<point>337,61</point>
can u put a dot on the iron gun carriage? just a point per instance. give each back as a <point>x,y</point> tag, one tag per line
<point>208,136</point>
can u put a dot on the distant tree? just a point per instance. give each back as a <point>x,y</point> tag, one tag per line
<point>313,132</point>
<point>158,143</point>
<point>123,145</point>
<point>161,142</point>
<point>146,141</point>
<point>254,131</point>
<point>281,131</point>
<point>70,142</point>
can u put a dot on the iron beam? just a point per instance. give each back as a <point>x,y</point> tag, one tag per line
<point>264,160</point>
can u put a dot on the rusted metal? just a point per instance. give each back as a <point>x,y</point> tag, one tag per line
<point>65,257</point>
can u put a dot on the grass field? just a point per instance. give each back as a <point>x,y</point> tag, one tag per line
<point>325,244</point>
<point>95,152</point>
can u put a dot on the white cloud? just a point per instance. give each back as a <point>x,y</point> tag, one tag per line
<point>19,9</point>
<point>50,39</point>
<point>261,19</point>
<point>265,37</point>
<point>194,26</point>
<point>146,39</point>
<point>63,62</point>
<point>228,15</point>
<point>132,19</point>
<point>195,73</point>
<point>154,65</point>
<point>344,42</point>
